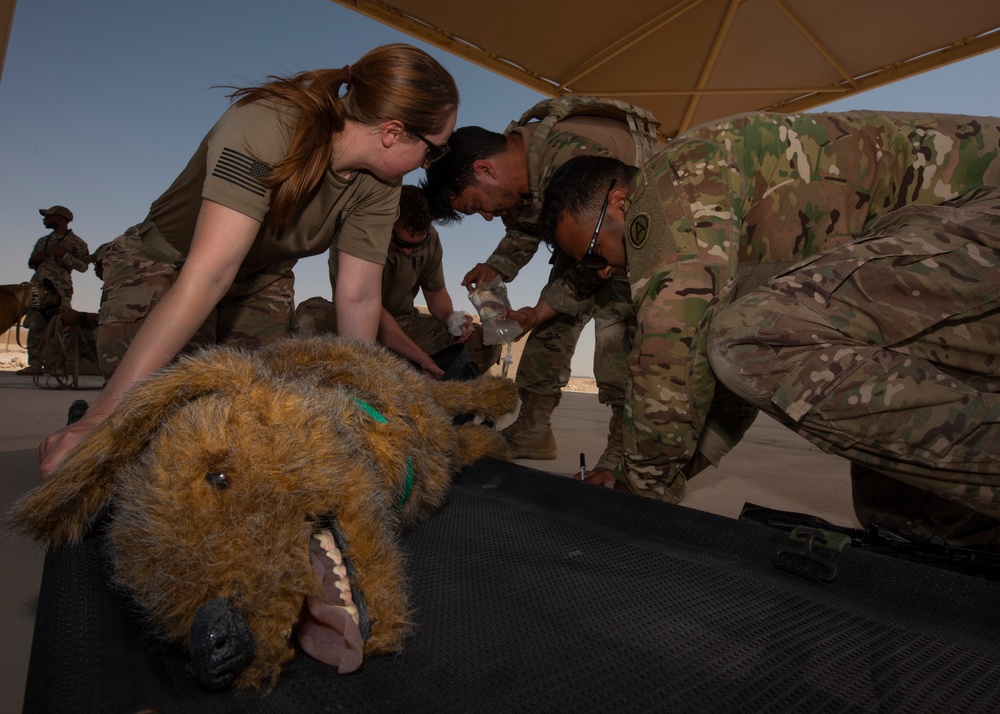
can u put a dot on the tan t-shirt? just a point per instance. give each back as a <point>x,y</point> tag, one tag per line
<point>405,274</point>
<point>354,215</point>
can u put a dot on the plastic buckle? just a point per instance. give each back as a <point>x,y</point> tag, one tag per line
<point>801,558</point>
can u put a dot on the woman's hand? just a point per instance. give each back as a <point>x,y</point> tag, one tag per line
<point>222,239</point>
<point>53,450</point>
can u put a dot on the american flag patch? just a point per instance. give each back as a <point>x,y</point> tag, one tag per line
<point>242,170</point>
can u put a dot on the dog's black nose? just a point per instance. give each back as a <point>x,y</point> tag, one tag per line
<point>221,644</point>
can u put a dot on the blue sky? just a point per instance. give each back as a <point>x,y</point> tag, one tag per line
<point>101,105</point>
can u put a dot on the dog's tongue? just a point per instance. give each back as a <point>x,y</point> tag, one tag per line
<point>328,627</point>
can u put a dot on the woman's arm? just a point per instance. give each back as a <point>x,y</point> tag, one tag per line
<point>358,297</point>
<point>222,239</point>
<point>392,336</point>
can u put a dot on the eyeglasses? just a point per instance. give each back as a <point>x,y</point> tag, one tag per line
<point>413,240</point>
<point>590,259</point>
<point>434,152</point>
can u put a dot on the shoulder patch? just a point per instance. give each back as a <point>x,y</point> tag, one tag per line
<point>241,170</point>
<point>638,230</point>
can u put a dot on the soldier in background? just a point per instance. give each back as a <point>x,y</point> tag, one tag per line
<point>54,258</point>
<point>882,347</point>
<point>413,264</point>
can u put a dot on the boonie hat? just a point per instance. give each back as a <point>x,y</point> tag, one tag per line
<point>57,211</point>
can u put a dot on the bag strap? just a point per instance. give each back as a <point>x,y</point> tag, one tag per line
<point>641,123</point>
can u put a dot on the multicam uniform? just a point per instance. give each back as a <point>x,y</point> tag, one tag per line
<point>544,367</point>
<point>726,208</point>
<point>404,275</point>
<point>354,215</point>
<point>59,272</point>
<point>887,351</point>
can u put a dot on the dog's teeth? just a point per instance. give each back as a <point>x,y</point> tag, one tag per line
<point>353,612</point>
<point>325,540</point>
<point>342,582</point>
<point>344,586</point>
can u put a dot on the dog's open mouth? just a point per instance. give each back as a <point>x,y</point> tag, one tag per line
<point>334,623</point>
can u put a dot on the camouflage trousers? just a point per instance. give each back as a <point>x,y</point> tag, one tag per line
<point>34,321</point>
<point>545,364</point>
<point>140,266</point>
<point>318,316</point>
<point>432,336</point>
<point>61,280</point>
<point>886,350</point>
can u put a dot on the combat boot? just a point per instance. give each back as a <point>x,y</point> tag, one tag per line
<point>530,436</point>
<point>31,369</point>
<point>614,453</point>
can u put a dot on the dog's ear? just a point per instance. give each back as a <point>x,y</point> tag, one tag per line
<point>63,507</point>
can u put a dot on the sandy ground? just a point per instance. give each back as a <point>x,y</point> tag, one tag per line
<point>13,361</point>
<point>12,356</point>
<point>581,384</point>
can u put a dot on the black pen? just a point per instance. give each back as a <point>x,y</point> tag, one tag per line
<point>583,467</point>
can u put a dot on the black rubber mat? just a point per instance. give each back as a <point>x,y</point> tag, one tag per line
<point>536,593</point>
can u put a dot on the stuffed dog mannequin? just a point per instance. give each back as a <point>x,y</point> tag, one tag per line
<point>253,495</point>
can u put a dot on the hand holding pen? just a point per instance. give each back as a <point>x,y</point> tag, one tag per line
<point>603,477</point>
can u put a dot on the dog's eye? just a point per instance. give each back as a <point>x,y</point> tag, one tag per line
<point>217,480</point>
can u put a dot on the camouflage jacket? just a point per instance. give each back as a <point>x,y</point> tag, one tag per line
<point>523,234</point>
<point>58,269</point>
<point>725,208</point>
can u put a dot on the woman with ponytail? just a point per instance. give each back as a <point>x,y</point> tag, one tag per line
<point>295,167</point>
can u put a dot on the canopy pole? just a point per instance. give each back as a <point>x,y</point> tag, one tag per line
<point>713,56</point>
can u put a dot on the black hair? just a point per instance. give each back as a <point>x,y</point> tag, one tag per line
<point>579,187</point>
<point>413,210</point>
<point>447,177</point>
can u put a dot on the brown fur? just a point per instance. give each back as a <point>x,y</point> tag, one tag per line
<point>284,425</point>
<point>15,300</point>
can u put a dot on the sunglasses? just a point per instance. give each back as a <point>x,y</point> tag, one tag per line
<point>434,152</point>
<point>419,239</point>
<point>590,259</point>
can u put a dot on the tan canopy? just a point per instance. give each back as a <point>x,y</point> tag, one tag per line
<point>691,61</point>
